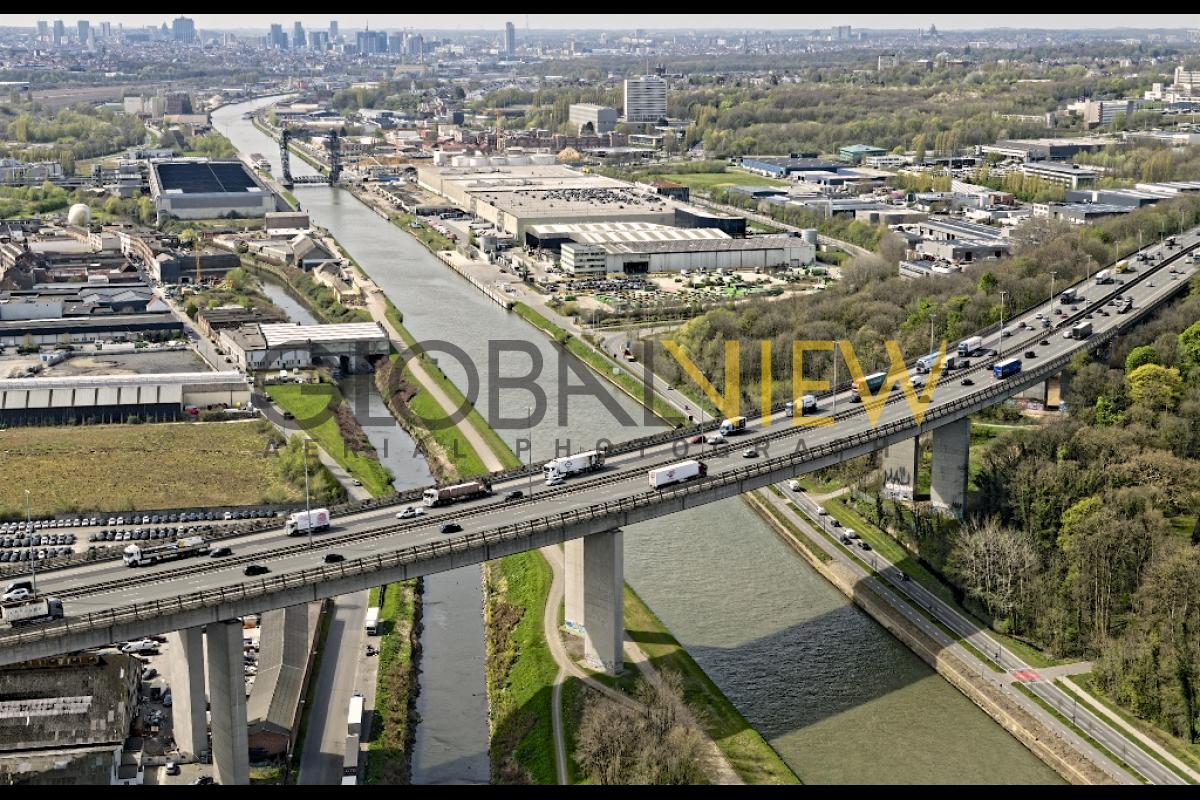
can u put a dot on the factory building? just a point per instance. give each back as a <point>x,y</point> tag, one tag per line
<point>349,346</point>
<point>203,189</point>
<point>601,119</point>
<point>59,400</point>
<point>677,254</point>
<point>101,328</point>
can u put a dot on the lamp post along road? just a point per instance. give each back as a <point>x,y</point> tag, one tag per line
<point>29,532</point>
<point>307,501</point>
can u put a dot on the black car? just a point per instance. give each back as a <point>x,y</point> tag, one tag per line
<point>220,552</point>
<point>967,382</point>
<point>256,569</point>
<point>516,494</point>
<point>334,558</point>
<point>452,527</point>
<point>1044,342</point>
<point>1030,354</point>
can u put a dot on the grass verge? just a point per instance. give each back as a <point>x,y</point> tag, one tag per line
<point>389,749</point>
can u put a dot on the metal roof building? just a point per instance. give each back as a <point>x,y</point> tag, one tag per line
<point>203,189</point>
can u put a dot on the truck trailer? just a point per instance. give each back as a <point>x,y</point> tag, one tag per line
<point>31,612</point>
<point>677,473</point>
<point>138,556</point>
<point>732,425</point>
<point>307,521</point>
<point>1081,331</point>
<point>444,495</point>
<point>579,463</point>
<point>969,347</point>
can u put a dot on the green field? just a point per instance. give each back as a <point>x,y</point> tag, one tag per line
<point>706,181</point>
<point>123,467</point>
<point>309,404</point>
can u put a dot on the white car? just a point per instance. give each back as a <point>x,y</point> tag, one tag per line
<point>715,438</point>
<point>137,647</point>
<point>20,593</point>
<point>794,485</point>
<point>410,512</point>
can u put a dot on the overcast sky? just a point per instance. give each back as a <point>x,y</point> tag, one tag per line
<point>649,21</point>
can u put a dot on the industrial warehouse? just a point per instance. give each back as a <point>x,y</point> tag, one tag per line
<point>349,346</point>
<point>640,247</point>
<point>513,197</point>
<point>116,398</point>
<point>203,189</point>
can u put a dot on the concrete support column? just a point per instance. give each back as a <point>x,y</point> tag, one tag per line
<point>227,691</point>
<point>951,453</point>
<point>185,671</point>
<point>573,611</point>
<point>901,463</point>
<point>594,597</point>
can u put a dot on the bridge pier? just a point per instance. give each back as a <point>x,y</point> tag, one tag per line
<point>951,454</point>
<point>595,596</point>
<point>227,689</point>
<point>901,463</point>
<point>186,674</point>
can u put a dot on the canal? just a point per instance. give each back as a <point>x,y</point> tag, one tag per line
<point>840,698</point>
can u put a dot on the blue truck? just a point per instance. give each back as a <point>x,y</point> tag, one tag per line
<point>1005,368</point>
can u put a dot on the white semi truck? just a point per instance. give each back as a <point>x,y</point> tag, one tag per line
<point>566,466</point>
<point>304,521</point>
<point>138,556</point>
<point>444,495</point>
<point>677,473</point>
<point>732,425</point>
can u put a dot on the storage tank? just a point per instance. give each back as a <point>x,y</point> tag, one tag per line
<point>439,158</point>
<point>460,161</point>
<point>518,161</point>
<point>478,161</point>
<point>543,159</point>
<point>80,215</point>
<point>809,235</point>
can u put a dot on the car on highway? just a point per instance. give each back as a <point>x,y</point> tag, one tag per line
<point>451,527</point>
<point>334,558</point>
<point>1044,342</point>
<point>966,382</point>
<point>1030,354</point>
<point>20,593</point>
<point>515,494</point>
<point>821,512</point>
<point>715,438</point>
<point>410,512</point>
<point>220,552</point>
<point>863,545</point>
<point>749,452</point>
<point>794,485</point>
<point>256,569</point>
<point>356,482</point>
<point>697,439</point>
<point>171,768</point>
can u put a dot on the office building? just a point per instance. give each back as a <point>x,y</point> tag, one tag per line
<point>645,99</point>
<point>277,39</point>
<point>84,28</point>
<point>855,153</point>
<point>183,29</point>
<point>299,41</point>
<point>1073,176</point>
<point>318,40</point>
<point>510,39</point>
<point>60,32</point>
<point>415,46</point>
<point>43,31</point>
<point>601,119</point>
<point>1102,112</point>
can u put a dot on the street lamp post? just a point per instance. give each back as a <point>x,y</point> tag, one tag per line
<point>29,532</point>
<point>932,319</point>
<point>529,433</point>
<point>1053,273</point>
<point>1003,297</point>
<point>835,383</point>
<point>307,500</point>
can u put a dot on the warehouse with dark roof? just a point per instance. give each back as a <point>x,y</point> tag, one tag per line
<point>197,188</point>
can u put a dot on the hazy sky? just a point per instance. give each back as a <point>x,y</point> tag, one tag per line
<point>649,21</point>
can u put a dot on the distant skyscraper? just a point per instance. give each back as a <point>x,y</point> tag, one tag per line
<point>510,38</point>
<point>333,30</point>
<point>645,99</point>
<point>372,42</point>
<point>183,29</point>
<point>106,30</point>
<point>318,40</point>
<point>298,38</point>
<point>43,29</point>
<point>60,32</point>
<point>277,39</point>
<point>84,27</point>
<point>415,45</point>
<point>396,43</point>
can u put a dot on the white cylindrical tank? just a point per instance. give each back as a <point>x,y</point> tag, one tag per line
<point>80,215</point>
<point>543,159</point>
<point>518,161</point>
<point>439,158</point>
<point>460,161</point>
<point>809,235</point>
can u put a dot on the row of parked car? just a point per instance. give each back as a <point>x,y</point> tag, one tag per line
<point>144,534</point>
<point>37,540</point>
<point>34,554</point>
<point>138,519</point>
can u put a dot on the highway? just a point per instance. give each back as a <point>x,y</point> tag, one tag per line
<point>101,586</point>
